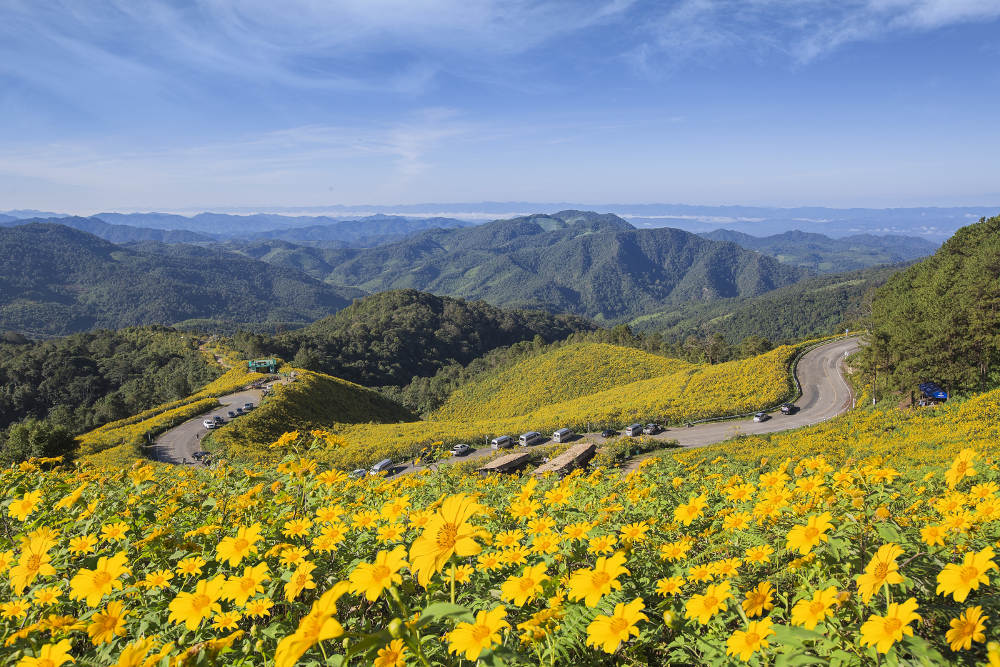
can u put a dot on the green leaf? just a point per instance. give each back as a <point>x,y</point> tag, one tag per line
<point>442,610</point>
<point>888,532</point>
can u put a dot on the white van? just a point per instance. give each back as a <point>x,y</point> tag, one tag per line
<point>530,438</point>
<point>381,466</point>
<point>502,442</point>
<point>209,424</point>
<point>633,430</point>
<point>562,435</point>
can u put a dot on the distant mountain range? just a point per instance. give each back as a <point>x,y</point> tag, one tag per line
<point>595,265</point>
<point>823,254</point>
<point>58,280</point>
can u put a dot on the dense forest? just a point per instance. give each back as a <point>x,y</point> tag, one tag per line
<point>84,380</point>
<point>57,280</point>
<point>940,319</point>
<point>821,254</point>
<point>593,265</point>
<point>389,338</point>
<point>813,307</point>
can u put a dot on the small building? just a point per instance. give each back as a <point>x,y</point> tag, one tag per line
<point>575,457</point>
<point>507,463</point>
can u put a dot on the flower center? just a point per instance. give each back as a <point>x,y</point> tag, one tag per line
<point>101,579</point>
<point>480,632</point>
<point>811,532</point>
<point>599,579</point>
<point>711,602</point>
<point>34,562</point>
<point>816,608</point>
<point>881,571</point>
<point>201,601</point>
<point>892,625</point>
<point>45,662</point>
<point>248,583</point>
<point>618,624</point>
<point>527,584</point>
<point>380,572</point>
<point>447,536</point>
<point>969,573</point>
<point>240,544</point>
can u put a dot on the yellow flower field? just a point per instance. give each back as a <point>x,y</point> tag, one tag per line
<point>835,547</point>
<point>686,392</point>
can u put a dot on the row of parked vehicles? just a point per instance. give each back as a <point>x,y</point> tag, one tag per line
<point>215,421</point>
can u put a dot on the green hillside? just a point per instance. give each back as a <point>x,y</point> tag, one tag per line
<point>940,319</point>
<point>311,401</point>
<point>390,337</point>
<point>598,266</point>
<point>58,280</point>
<point>813,307</point>
<point>823,254</point>
<point>563,374</point>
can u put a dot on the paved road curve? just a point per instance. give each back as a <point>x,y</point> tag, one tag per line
<point>179,444</point>
<point>825,394</point>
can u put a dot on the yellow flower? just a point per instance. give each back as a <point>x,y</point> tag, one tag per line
<point>157,579</point>
<point>961,468</point>
<point>636,532</point>
<point>108,624</point>
<point>591,584</point>
<point>808,613</point>
<point>15,608</point>
<point>669,585</point>
<point>293,556</point>
<point>92,585</point>
<point>447,533</point>
<point>704,607</point>
<point>967,628</point>
<point>758,600</point>
<point>608,632</point>
<point>373,578</point>
<point>34,562</point>
<point>115,532</point>
<point>301,580</point>
<point>226,620</point>
<point>259,607</point>
<point>602,544</point>
<point>50,655</point>
<point>744,643</point>
<point>804,538</point>
<point>932,535</point>
<point>297,527</point>
<point>20,508</point>
<point>318,625</point>
<point>6,558</point>
<point>959,580</point>
<point>191,565</point>
<point>474,638</point>
<point>881,570</point>
<point>46,596</point>
<point>521,589</point>
<point>759,554</point>
<point>675,550</point>
<point>235,549</point>
<point>690,510</point>
<point>393,655</point>
<point>884,631</point>
<point>191,607</point>
<point>84,544</point>
<point>134,654</point>
<point>242,588</point>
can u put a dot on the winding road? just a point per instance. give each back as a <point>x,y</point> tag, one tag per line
<point>179,444</point>
<point>825,395</point>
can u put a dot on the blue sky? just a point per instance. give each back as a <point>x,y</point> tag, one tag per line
<point>148,104</point>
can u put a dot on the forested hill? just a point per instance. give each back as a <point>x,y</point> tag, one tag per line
<point>940,319</point>
<point>119,233</point>
<point>593,265</point>
<point>823,254</point>
<point>388,338</point>
<point>58,280</point>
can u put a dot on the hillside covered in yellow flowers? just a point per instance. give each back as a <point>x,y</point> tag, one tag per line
<point>867,540</point>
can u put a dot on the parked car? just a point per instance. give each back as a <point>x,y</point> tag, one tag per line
<point>197,456</point>
<point>209,424</point>
<point>761,417</point>
<point>460,450</point>
<point>608,433</point>
<point>358,473</point>
<point>651,428</point>
<point>530,438</point>
<point>788,408</point>
<point>247,407</point>
<point>380,467</point>
<point>563,435</point>
<point>502,442</point>
<point>633,430</point>
<point>232,415</point>
<point>218,419</point>
<point>239,411</point>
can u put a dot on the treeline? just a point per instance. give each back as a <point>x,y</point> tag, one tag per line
<point>391,337</point>
<point>55,389</point>
<point>939,320</point>
<point>426,394</point>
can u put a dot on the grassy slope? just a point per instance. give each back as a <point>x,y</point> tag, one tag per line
<point>564,374</point>
<point>689,393</point>
<point>312,400</point>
